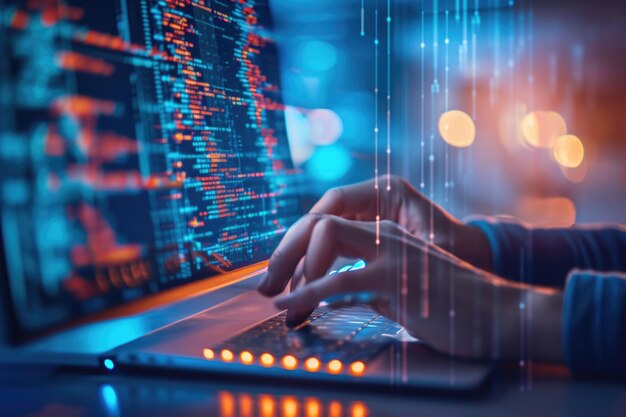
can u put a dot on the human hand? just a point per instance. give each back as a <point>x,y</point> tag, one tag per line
<point>397,200</point>
<point>454,307</point>
<point>394,200</point>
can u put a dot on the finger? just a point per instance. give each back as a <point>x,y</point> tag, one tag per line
<point>349,200</point>
<point>287,255</point>
<point>298,276</point>
<point>310,295</point>
<point>332,237</point>
<point>295,317</point>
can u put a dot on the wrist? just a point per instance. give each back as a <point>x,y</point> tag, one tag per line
<point>468,243</point>
<point>546,321</point>
<point>529,325</point>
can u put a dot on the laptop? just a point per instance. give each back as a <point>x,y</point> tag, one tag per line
<point>145,178</point>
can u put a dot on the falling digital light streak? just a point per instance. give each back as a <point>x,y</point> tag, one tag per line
<point>376,185</point>
<point>447,168</point>
<point>446,106</point>
<point>434,93</point>
<point>362,17</point>
<point>388,95</point>
<point>525,371</point>
<point>423,106</point>
<point>474,23</point>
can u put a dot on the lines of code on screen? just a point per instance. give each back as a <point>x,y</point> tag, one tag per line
<point>142,145</point>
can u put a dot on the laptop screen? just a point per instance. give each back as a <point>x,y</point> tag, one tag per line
<point>142,146</point>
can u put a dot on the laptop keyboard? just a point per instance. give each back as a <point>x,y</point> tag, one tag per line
<point>330,340</point>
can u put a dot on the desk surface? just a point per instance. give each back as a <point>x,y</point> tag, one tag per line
<point>45,392</point>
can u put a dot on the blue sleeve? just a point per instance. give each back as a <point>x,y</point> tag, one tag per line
<point>545,256</point>
<point>594,323</point>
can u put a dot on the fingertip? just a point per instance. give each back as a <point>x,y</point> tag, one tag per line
<point>262,284</point>
<point>263,289</point>
<point>269,291</point>
<point>297,317</point>
<point>267,287</point>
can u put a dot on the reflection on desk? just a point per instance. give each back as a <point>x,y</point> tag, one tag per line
<point>45,392</point>
<point>241,404</point>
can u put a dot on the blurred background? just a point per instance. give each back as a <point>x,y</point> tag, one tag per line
<point>492,106</point>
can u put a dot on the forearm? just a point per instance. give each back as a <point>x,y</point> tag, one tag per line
<point>468,243</point>
<point>545,256</point>
<point>530,324</point>
<point>525,322</point>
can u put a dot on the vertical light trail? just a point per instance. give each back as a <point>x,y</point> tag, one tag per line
<point>388,95</point>
<point>475,22</point>
<point>496,58</point>
<point>531,60</point>
<point>531,81</point>
<point>434,91</point>
<point>376,187</point>
<point>362,17</point>
<point>446,42</point>
<point>447,184</point>
<point>464,47</point>
<point>422,98</point>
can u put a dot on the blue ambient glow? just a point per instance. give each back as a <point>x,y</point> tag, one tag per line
<point>329,163</point>
<point>318,56</point>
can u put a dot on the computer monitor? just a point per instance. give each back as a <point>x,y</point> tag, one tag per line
<point>142,146</point>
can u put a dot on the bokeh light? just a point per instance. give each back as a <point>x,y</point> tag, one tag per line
<point>325,126</point>
<point>576,175</point>
<point>569,151</point>
<point>329,163</point>
<point>547,211</point>
<point>317,55</point>
<point>298,134</point>
<point>510,128</point>
<point>541,128</point>
<point>457,128</point>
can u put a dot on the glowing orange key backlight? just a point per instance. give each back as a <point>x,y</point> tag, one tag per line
<point>357,368</point>
<point>312,364</point>
<point>246,357</point>
<point>267,359</point>
<point>227,355</point>
<point>289,362</point>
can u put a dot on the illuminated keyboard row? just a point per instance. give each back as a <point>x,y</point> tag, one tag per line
<point>288,362</point>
